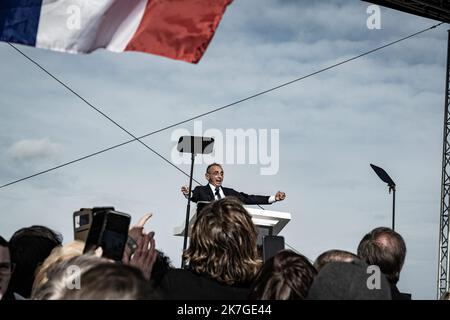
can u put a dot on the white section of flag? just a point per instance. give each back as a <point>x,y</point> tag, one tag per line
<point>129,25</point>
<point>84,25</point>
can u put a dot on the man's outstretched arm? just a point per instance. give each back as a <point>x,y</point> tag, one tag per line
<point>256,199</point>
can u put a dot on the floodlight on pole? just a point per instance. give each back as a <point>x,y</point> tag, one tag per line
<point>391,184</point>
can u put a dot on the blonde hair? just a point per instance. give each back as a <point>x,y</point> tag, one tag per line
<point>223,243</point>
<point>111,281</point>
<point>58,278</point>
<point>57,256</point>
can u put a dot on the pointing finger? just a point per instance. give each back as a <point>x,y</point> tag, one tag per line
<point>144,219</point>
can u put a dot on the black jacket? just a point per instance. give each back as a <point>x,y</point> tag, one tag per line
<point>182,284</point>
<point>397,295</point>
<point>204,193</point>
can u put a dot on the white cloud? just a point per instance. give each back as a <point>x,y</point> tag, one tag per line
<point>34,149</point>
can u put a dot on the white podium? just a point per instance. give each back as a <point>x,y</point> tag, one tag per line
<point>268,222</point>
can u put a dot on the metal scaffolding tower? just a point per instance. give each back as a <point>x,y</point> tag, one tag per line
<point>444,261</point>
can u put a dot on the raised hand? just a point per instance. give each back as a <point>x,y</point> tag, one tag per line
<point>145,256</point>
<point>280,196</point>
<point>185,190</point>
<point>135,237</point>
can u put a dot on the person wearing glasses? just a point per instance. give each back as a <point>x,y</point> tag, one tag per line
<point>214,190</point>
<point>6,267</point>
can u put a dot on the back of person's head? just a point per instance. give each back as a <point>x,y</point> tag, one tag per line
<point>385,248</point>
<point>223,243</point>
<point>112,281</point>
<point>349,281</point>
<point>29,248</point>
<point>161,266</point>
<point>285,276</point>
<point>65,275</point>
<point>334,255</point>
<point>58,255</point>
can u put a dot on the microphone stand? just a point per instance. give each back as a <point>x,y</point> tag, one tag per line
<point>188,210</point>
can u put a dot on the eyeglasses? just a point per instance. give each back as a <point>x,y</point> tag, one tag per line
<point>216,173</point>
<point>6,267</point>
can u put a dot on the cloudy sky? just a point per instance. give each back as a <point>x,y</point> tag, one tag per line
<point>385,108</point>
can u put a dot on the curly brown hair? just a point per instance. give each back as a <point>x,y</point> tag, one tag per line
<point>223,243</point>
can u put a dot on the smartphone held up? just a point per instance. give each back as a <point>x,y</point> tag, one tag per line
<point>103,227</point>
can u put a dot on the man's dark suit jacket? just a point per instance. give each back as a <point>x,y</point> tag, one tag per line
<point>397,295</point>
<point>204,193</point>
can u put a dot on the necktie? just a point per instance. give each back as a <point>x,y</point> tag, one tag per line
<point>218,193</point>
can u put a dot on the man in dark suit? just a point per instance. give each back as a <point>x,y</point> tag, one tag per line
<point>214,190</point>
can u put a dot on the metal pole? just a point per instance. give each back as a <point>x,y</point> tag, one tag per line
<point>188,210</point>
<point>393,211</point>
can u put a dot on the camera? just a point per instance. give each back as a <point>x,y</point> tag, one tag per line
<point>82,220</point>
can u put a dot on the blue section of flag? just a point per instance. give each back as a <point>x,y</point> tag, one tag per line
<point>19,20</point>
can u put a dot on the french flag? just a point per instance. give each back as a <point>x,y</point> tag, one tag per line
<point>177,29</point>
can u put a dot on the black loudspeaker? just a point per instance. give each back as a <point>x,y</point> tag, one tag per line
<point>271,246</point>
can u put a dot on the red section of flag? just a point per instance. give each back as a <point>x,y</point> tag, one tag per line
<point>178,29</point>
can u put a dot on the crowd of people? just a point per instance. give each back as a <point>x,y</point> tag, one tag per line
<point>222,262</point>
